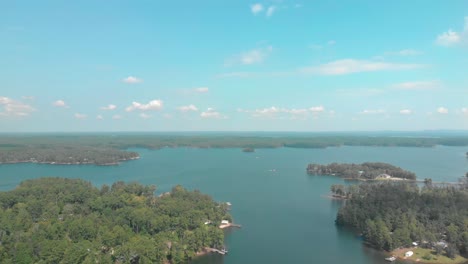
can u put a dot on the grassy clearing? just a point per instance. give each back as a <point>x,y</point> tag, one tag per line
<point>424,255</point>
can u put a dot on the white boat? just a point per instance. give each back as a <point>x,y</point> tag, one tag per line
<point>391,259</point>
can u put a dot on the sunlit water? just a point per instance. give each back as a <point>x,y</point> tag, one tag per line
<point>284,213</point>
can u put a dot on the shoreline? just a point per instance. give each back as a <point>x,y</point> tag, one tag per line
<point>384,180</point>
<point>114,163</point>
<point>334,197</point>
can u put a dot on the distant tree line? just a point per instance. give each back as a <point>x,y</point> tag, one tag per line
<point>367,170</point>
<point>73,154</point>
<point>56,220</point>
<point>107,149</point>
<point>396,214</point>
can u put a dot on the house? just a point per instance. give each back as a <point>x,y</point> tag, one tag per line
<point>207,222</point>
<point>384,176</point>
<point>409,254</point>
<point>441,244</point>
<point>225,222</point>
<point>415,244</point>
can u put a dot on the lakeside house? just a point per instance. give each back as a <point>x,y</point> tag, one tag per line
<point>224,224</point>
<point>442,244</point>
<point>384,176</point>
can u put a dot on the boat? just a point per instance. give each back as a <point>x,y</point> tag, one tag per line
<point>391,259</point>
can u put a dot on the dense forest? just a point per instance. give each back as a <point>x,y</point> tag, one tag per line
<point>367,170</point>
<point>57,220</point>
<point>66,154</point>
<point>109,149</point>
<point>396,214</point>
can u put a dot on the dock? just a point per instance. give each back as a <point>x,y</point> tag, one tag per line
<point>222,251</point>
<point>222,226</point>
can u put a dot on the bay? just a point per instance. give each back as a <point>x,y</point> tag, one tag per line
<point>284,213</point>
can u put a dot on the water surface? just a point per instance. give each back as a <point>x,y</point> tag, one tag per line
<point>284,213</point>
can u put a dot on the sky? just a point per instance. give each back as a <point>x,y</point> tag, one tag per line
<point>233,65</point>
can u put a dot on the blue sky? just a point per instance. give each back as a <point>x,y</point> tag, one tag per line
<point>233,65</point>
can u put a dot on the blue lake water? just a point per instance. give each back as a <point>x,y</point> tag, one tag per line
<point>284,213</point>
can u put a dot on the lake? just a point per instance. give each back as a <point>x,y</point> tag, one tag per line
<point>284,213</point>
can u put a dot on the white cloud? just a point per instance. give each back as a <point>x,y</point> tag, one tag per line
<point>348,66</point>
<point>152,105</point>
<point>317,109</point>
<point>323,45</point>
<point>211,113</point>
<point>265,112</point>
<point>464,111</point>
<point>418,85</point>
<point>60,103</point>
<point>372,111</point>
<point>278,112</point>
<point>442,110</point>
<point>132,80</point>
<point>256,8</point>
<point>99,117</point>
<point>448,38</point>
<point>14,108</point>
<point>144,115</point>
<point>202,90</point>
<point>250,57</point>
<point>188,108</point>
<point>80,116</point>
<point>109,107</point>
<point>116,117</point>
<point>452,38</point>
<point>270,11</point>
<point>253,56</point>
<point>406,112</point>
<point>301,111</point>
<point>404,52</point>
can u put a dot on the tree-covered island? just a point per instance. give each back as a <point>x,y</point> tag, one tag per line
<point>393,215</point>
<point>57,220</point>
<point>367,171</point>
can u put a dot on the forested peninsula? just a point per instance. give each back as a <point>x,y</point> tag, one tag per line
<point>57,220</point>
<point>392,215</point>
<point>367,171</point>
<point>111,149</point>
